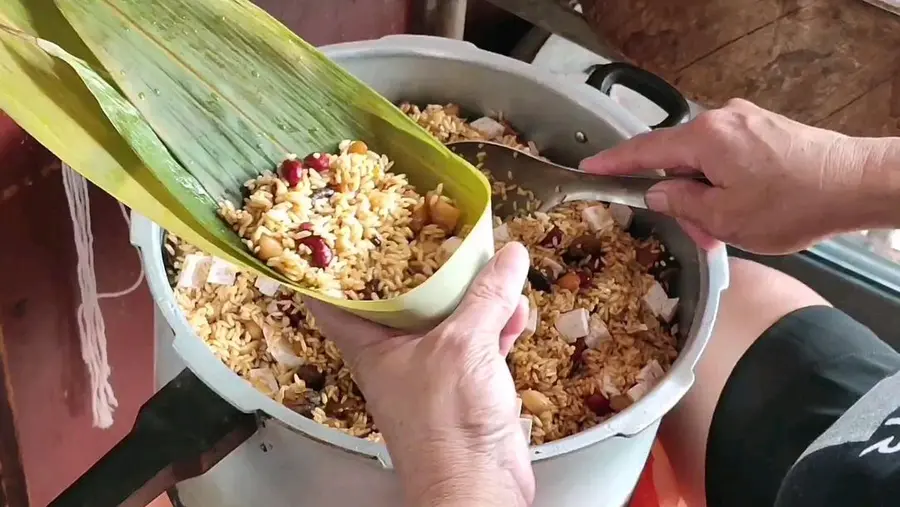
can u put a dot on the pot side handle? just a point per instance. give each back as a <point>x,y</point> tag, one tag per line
<point>603,76</point>
<point>181,432</point>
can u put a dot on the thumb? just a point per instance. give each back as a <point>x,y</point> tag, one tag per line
<point>514,326</point>
<point>685,199</point>
<point>493,297</point>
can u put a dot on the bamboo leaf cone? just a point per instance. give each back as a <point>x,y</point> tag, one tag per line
<point>229,92</point>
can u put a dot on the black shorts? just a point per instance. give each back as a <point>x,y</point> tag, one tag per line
<point>791,385</point>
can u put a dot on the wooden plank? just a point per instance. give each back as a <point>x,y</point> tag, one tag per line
<point>806,65</point>
<point>808,59</point>
<point>13,488</point>
<point>665,36</point>
<point>331,21</point>
<point>875,114</point>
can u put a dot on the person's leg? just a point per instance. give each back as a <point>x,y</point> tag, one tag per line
<point>757,298</point>
<point>781,368</point>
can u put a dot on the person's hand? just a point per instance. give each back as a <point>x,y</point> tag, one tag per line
<point>445,401</point>
<point>778,187</point>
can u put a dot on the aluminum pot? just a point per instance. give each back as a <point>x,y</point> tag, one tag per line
<point>567,121</point>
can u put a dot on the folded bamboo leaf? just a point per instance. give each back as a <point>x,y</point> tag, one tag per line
<point>231,92</point>
<point>50,102</point>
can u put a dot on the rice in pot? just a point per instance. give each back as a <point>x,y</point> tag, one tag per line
<point>598,338</point>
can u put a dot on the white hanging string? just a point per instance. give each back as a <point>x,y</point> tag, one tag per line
<point>91,328</point>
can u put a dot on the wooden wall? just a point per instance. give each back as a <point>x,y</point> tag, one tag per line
<point>832,63</point>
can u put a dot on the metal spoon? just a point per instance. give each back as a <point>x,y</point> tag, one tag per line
<point>527,178</point>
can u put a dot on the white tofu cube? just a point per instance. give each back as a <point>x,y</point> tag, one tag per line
<point>651,373</point>
<point>501,233</point>
<point>556,269</point>
<point>525,423</point>
<point>264,380</point>
<point>598,218</point>
<point>194,271</point>
<point>532,322</point>
<point>488,127</point>
<point>621,214</point>
<point>638,391</point>
<point>518,406</point>
<point>450,245</point>
<point>267,286</point>
<point>573,325</point>
<point>597,332</point>
<point>280,348</point>
<point>669,309</point>
<point>221,273</point>
<point>656,299</point>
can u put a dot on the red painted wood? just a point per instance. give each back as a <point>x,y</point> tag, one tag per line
<point>39,302</point>
<point>13,488</point>
<point>327,22</point>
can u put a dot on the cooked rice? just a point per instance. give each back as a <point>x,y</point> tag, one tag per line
<point>358,211</point>
<point>544,361</point>
<point>273,341</point>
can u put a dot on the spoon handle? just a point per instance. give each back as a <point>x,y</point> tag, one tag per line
<point>630,190</point>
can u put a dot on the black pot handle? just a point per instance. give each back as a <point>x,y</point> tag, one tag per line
<point>181,432</point>
<point>604,76</point>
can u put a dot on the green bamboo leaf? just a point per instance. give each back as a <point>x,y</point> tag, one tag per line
<point>189,195</point>
<point>231,91</point>
<point>49,101</point>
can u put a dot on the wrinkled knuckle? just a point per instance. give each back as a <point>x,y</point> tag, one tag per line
<point>459,347</point>
<point>723,125</point>
<point>739,104</point>
<point>492,294</point>
<point>712,122</point>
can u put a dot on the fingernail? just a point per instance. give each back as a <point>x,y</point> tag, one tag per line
<point>657,200</point>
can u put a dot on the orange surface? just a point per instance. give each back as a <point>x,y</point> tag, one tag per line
<point>657,486</point>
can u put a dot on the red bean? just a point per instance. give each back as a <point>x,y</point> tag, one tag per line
<point>553,238</point>
<point>322,254</point>
<point>585,279</point>
<point>317,163</point>
<point>311,376</point>
<point>646,255</point>
<point>292,171</point>
<point>578,356</point>
<point>598,404</point>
